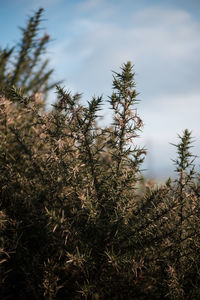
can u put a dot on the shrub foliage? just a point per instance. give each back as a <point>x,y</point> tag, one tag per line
<point>22,65</point>
<point>77,220</point>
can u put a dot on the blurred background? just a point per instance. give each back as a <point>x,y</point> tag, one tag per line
<point>90,38</point>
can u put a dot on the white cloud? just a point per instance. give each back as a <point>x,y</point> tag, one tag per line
<point>158,14</point>
<point>171,114</point>
<point>164,59</point>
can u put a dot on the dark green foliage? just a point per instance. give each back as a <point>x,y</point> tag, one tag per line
<point>73,223</point>
<point>22,66</point>
<point>184,162</point>
<point>77,220</point>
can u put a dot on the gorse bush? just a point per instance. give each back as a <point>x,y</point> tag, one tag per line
<point>22,66</point>
<point>77,219</point>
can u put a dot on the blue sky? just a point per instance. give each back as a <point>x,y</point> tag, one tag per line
<point>92,37</point>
